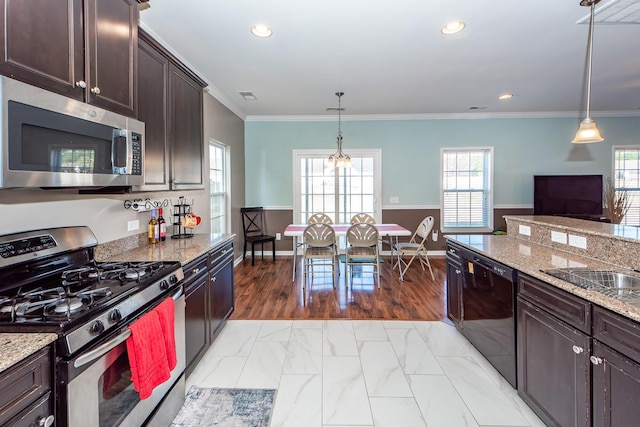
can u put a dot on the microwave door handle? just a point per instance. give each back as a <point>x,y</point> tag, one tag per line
<point>119,152</point>
<point>102,349</point>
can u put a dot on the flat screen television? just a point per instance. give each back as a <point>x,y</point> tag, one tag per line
<point>578,196</point>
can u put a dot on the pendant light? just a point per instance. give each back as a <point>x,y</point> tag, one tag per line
<point>588,131</point>
<point>338,159</point>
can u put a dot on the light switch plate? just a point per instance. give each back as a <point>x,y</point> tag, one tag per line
<point>394,199</point>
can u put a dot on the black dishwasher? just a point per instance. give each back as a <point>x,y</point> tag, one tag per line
<point>488,307</point>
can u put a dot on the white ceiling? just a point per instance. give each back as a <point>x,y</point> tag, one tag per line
<point>390,58</point>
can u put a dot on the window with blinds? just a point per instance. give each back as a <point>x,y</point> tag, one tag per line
<point>467,202</point>
<point>218,187</point>
<point>626,170</point>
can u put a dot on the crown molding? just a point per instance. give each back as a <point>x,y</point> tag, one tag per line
<point>440,116</point>
<point>210,88</point>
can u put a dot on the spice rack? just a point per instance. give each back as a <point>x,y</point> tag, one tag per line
<point>180,210</point>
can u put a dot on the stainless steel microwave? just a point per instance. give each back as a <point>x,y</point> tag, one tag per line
<point>49,140</point>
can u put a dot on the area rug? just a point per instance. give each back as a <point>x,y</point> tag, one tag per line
<point>226,407</point>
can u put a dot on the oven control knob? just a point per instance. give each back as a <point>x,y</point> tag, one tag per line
<point>115,316</point>
<point>173,279</point>
<point>97,327</point>
<point>164,285</point>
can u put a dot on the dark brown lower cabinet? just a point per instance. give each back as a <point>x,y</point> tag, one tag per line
<point>616,388</point>
<point>553,367</point>
<point>196,339</point>
<point>26,398</point>
<point>455,282</point>
<point>209,300</point>
<point>454,289</point>
<point>221,293</point>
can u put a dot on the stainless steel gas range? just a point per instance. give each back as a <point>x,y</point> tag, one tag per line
<point>50,282</point>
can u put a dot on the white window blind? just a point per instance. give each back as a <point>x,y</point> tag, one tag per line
<point>466,189</point>
<point>626,170</point>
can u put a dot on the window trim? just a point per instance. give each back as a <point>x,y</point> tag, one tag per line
<point>613,170</point>
<point>226,184</point>
<point>490,204</point>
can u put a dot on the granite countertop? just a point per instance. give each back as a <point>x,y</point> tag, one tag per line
<point>16,347</point>
<point>183,250</point>
<point>530,258</point>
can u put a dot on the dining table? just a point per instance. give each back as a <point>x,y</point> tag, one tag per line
<point>392,231</point>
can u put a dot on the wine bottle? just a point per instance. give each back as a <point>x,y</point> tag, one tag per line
<point>163,226</point>
<point>153,230</point>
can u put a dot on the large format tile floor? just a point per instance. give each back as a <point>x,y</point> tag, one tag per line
<point>363,373</point>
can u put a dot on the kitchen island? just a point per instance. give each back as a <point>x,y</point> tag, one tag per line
<point>576,347</point>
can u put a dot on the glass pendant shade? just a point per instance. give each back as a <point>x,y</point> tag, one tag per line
<point>338,159</point>
<point>588,132</point>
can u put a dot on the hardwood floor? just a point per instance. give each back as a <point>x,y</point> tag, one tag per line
<point>265,291</point>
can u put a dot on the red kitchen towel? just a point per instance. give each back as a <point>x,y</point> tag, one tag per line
<point>147,354</point>
<point>166,312</point>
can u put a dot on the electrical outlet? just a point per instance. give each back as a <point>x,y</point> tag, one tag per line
<point>278,236</point>
<point>524,229</point>
<point>394,199</point>
<point>133,225</point>
<point>578,241</point>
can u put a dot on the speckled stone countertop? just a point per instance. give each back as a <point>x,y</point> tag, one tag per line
<point>16,347</point>
<point>183,250</point>
<point>530,258</point>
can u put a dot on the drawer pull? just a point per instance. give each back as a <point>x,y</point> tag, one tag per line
<point>195,271</point>
<point>595,360</point>
<point>46,422</point>
<point>577,350</point>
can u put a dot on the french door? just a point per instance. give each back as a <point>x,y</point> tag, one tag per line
<point>339,193</point>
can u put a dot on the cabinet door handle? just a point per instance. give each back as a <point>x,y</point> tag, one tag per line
<point>458,271</point>
<point>195,271</point>
<point>46,421</point>
<point>81,84</point>
<point>95,90</point>
<point>214,278</point>
<point>595,360</point>
<point>577,350</point>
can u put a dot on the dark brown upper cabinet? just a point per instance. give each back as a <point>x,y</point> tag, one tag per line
<point>170,104</point>
<point>83,49</point>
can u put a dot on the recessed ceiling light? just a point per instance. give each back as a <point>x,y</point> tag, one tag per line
<point>506,96</point>
<point>477,107</point>
<point>453,27</point>
<point>260,30</point>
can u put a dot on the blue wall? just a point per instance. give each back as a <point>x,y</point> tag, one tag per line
<point>411,153</point>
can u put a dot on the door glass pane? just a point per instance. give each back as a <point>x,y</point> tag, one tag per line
<point>339,193</point>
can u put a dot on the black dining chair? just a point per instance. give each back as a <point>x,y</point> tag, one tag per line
<point>254,232</point>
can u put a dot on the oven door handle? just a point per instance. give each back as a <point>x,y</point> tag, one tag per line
<point>102,349</point>
<point>110,345</point>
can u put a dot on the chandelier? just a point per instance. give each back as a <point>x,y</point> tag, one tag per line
<point>338,159</point>
<point>588,131</point>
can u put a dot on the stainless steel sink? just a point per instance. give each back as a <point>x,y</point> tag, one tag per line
<point>608,279</point>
